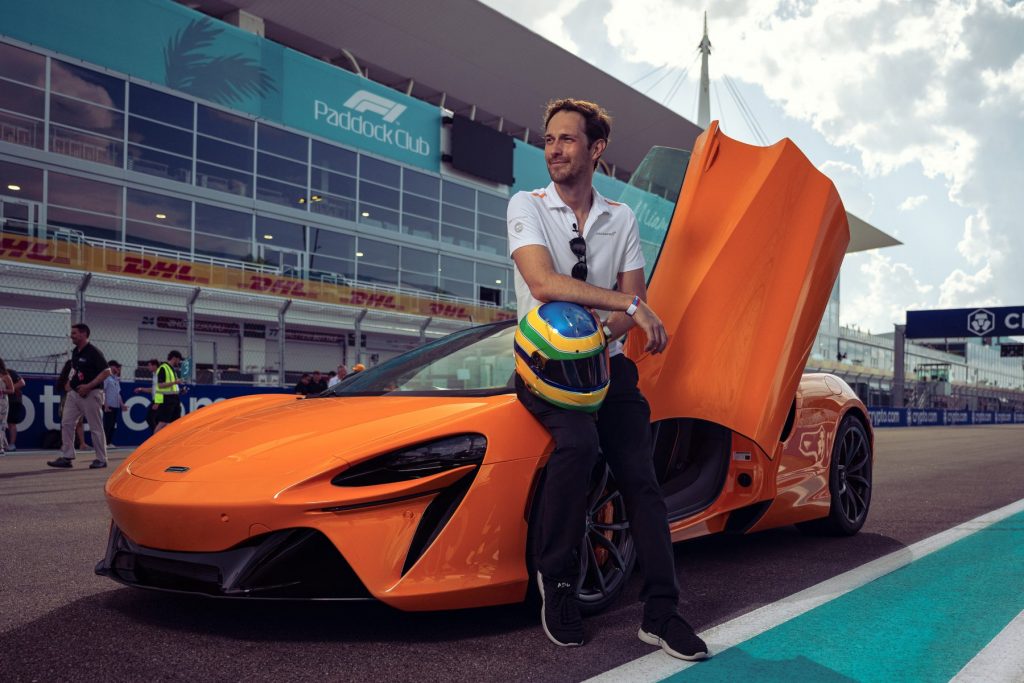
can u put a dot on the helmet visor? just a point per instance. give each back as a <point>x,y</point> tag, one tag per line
<point>584,373</point>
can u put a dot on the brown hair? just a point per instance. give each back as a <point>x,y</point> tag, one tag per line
<point>597,123</point>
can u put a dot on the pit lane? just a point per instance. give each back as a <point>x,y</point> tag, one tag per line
<point>58,621</point>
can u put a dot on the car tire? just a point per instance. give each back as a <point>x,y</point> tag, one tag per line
<point>849,482</point>
<point>607,551</point>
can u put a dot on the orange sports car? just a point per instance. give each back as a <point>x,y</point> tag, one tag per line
<point>412,483</point>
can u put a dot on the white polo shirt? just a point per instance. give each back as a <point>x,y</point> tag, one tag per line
<point>612,235</point>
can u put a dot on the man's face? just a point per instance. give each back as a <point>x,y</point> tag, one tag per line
<point>175,362</point>
<point>152,367</point>
<point>116,371</point>
<point>78,337</point>
<point>568,156</point>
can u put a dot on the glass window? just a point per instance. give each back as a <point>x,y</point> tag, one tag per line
<point>490,276</point>
<point>159,209</point>
<point>427,283</point>
<point>491,245</point>
<point>218,221</point>
<point>86,84</point>
<point>457,268</point>
<point>283,143</point>
<point>378,171</point>
<point>491,225</point>
<point>334,158</point>
<point>494,205</point>
<point>280,193</point>
<point>88,224</point>
<point>28,180</point>
<point>377,253</point>
<point>160,106</point>
<point>78,193</point>
<point>86,116</point>
<point>22,65</point>
<point>335,183</point>
<point>457,288</point>
<point>376,216</point>
<point>157,236</point>
<point>157,135</point>
<point>220,247</point>
<point>459,194</point>
<point>459,217</point>
<point>420,227</point>
<point>217,178</point>
<point>330,243</point>
<point>369,273</point>
<point>21,130</point>
<point>377,194</point>
<point>281,234</point>
<point>420,206</point>
<point>159,164</point>
<point>280,169</point>
<point>333,266</point>
<point>224,153</point>
<point>23,99</point>
<point>336,207</point>
<point>225,126</point>
<point>421,183</point>
<point>84,146</point>
<point>419,261</point>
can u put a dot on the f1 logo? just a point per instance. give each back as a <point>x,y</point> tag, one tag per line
<point>363,100</point>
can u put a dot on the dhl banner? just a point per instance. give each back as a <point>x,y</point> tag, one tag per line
<point>151,267</point>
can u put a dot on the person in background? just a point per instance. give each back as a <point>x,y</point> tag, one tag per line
<point>6,389</point>
<point>342,371</point>
<point>168,390</point>
<point>16,412</point>
<point>85,399</point>
<point>152,364</point>
<point>319,382</point>
<point>62,389</point>
<point>304,386</point>
<point>112,402</point>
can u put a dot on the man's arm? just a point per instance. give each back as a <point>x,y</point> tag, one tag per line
<point>535,265</point>
<point>84,389</point>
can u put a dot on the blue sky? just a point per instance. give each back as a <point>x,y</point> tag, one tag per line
<point>914,109</point>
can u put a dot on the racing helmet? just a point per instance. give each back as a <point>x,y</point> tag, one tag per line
<point>562,356</point>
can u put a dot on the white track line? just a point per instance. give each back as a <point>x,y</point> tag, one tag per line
<point>658,665</point>
<point>1001,660</point>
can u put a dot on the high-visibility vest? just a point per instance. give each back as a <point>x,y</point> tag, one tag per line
<point>158,393</point>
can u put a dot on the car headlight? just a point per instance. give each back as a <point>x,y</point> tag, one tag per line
<point>416,462</point>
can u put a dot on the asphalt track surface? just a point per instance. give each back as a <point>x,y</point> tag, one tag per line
<point>58,621</point>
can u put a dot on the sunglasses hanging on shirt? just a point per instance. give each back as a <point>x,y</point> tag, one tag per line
<point>579,250</point>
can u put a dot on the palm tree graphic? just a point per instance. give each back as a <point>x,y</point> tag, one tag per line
<point>225,79</point>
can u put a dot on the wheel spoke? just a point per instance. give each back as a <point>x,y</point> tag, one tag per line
<point>598,490</point>
<point>848,504</point>
<point>612,526</point>
<point>857,499</point>
<point>863,481</point>
<point>597,566</point>
<point>612,495</point>
<point>612,550</point>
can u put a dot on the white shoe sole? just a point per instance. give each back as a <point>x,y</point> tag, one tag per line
<point>652,639</point>
<point>543,621</point>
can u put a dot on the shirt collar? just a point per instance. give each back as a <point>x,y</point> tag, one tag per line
<point>554,201</point>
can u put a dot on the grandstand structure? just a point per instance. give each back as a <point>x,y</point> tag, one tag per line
<point>275,187</point>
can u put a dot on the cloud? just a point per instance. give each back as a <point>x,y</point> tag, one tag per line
<point>545,18</point>
<point>849,181</point>
<point>891,288</point>
<point>911,203</point>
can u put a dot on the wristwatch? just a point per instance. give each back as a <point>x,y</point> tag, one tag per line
<point>633,306</point>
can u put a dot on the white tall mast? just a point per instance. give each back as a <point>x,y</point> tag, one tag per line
<point>704,106</point>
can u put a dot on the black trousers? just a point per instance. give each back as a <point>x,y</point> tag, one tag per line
<point>622,429</point>
<point>110,423</point>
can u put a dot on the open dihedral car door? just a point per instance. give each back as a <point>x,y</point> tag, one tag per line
<point>742,280</point>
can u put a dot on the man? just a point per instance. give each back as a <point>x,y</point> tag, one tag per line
<point>571,244</point>
<point>342,371</point>
<point>304,386</point>
<point>167,389</point>
<point>152,364</point>
<point>112,401</point>
<point>318,382</point>
<point>84,399</point>
<point>17,410</point>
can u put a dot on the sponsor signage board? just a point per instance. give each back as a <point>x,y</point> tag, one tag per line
<point>952,323</point>
<point>918,417</point>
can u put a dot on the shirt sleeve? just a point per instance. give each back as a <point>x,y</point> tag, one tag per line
<point>99,361</point>
<point>524,226</point>
<point>634,256</point>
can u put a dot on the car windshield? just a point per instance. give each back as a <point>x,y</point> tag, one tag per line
<point>474,362</point>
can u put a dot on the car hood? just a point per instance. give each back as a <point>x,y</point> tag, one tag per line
<point>256,437</point>
<point>742,281</point>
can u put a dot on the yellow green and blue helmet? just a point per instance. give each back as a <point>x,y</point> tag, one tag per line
<point>562,355</point>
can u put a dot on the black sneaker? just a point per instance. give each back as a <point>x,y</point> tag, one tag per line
<point>97,464</point>
<point>59,462</point>
<point>560,613</point>
<point>676,637</point>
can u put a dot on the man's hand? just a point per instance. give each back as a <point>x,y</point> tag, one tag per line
<point>650,323</point>
<point>83,391</point>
